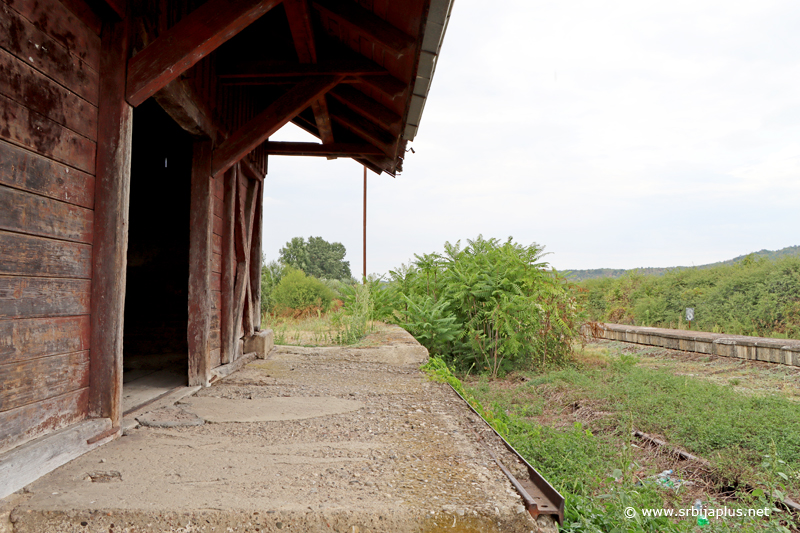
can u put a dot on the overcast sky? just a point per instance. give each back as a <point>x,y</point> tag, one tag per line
<point>617,134</point>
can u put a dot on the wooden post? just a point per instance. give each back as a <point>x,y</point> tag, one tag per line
<point>255,257</point>
<point>229,262</point>
<point>110,246</point>
<point>200,249</point>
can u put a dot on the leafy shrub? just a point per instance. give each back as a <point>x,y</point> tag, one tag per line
<point>271,274</point>
<point>753,297</point>
<point>492,305</point>
<point>297,294</point>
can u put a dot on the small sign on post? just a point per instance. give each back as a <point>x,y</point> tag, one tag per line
<point>690,316</point>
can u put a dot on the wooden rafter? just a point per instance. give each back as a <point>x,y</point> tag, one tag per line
<point>258,129</point>
<point>364,128</point>
<point>389,86</point>
<point>367,107</point>
<point>326,150</point>
<point>195,36</point>
<point>367,23</point>
<point>255,70</point>
<point>299,17</point>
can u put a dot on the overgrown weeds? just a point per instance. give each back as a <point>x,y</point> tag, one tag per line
<point>494,306</point>
<point>574,425</point>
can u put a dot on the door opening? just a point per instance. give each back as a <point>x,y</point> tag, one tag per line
<point>155,348</point>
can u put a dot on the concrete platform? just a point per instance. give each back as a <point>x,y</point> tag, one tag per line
<point>335,439</point>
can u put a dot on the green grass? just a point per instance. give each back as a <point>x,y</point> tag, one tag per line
<point>748,438</point>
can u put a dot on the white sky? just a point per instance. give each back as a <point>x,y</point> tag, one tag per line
<point>617,134</point>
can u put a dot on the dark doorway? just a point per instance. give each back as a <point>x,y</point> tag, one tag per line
<point>155,350</point>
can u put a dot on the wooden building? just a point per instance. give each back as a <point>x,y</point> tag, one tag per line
<point>133,149</point>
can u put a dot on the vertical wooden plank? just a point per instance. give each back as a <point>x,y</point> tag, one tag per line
<point>112,195</point>
<point>228,267</point>
<point>256,257</point>
<point>200,224</point>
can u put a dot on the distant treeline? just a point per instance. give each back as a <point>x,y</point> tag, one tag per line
<point>594,273</point>
<point>754,296</point>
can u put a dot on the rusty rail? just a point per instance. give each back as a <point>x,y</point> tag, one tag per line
<point>539,496</point>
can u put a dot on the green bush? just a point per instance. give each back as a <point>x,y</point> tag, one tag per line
<point>753,297</point>
<point>297,293</point>
<point>492,305</point>
<point>271,274</point>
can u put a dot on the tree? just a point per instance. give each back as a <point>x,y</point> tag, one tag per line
<point>317,257</point>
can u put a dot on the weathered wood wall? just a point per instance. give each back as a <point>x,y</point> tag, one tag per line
<point>49,85</point>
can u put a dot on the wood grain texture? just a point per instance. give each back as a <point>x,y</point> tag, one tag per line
<point>228,267</point>
<point>364,128</point>
<point>113,187</point>
<point>26,255</point>
<point>368,108</point>
<point>23,424</point>
<point>38,379</point>
<point>22,297</point>
<point>36,215</point>
<point>28,171</point>
<point>26,464</point>
<point>256,258</point>
<point>368,24</point>
<point>57,21</point>
<point>86,14</point>
<point>200,265</point>
<point>324,150</point>
<point>37,92</point>
<point>187,108</point>
<point>277,114</point>
<point>21,340</point>
<point>36,132</point>
<point>192,38</point>
<point>34,47</point>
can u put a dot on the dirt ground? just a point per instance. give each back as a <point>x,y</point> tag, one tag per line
<point>309,439</point>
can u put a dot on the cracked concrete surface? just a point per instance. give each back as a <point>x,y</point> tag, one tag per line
<point>335,439</point>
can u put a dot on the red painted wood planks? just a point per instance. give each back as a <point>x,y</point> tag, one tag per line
<point>34,380</point>
<point>24,297</point>
<point>25,170</point>
<point>37,92</point>
<point>36,215</point>
<point>36,132</point>
<point>21,340</point>
<point>34,256</point>
<point>57,21</point>
<point>22,424</point>
<point>22,39</point>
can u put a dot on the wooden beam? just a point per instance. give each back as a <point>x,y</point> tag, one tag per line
<point>258,129</point>
<point>194,37</point>
<point>229,262</point>
<point>255,70</point>
<point>187,108</point>
<point>323,119</point>
<point>323,150</point>
<point>367,107</point>
<point>256,258</point>
<point>200,249</point>
<point>109,254</point>
<point>364,128</point>
<point>389,86</point>
<point>297,13</point>
<point>367,24</point>
<point>243,231</point>
<point>251,171</point>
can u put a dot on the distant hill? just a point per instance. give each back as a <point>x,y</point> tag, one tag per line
<point>580,275</point>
